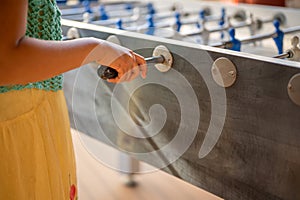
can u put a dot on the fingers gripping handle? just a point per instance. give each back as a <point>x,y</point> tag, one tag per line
<point>162,59</point>
<point>106,72</point>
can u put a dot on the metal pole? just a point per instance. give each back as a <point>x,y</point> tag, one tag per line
<point>106,72</point>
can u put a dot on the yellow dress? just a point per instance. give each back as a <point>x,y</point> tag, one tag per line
<point>37,158</point>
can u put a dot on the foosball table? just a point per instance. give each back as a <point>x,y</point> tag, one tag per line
<point>220,107</point>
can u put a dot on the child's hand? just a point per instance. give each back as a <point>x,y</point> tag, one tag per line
<point>128,64</point>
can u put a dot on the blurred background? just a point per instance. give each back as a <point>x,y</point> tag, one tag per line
<point>286,3</point>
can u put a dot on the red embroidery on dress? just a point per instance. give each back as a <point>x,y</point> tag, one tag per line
<point>72,192</point>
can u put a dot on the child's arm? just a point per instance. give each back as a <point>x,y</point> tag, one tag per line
<point>24,59</point>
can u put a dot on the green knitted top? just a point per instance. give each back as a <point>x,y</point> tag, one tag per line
<point>43,22</point>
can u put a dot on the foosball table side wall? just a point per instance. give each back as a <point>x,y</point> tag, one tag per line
<point>257,155</point>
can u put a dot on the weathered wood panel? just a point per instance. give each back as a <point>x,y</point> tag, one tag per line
<point>257,155</point>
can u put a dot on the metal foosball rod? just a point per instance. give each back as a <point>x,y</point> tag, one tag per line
<point>293,53</point>
<point>104,12</point>
<point>162,58</point>
<point>139,12</point>
<point>77,13</point>
<point>257,22</point>
<point>148,28</point>
<point>118,22</point>
<point>151,25</point>
<point>279,16</point>
<point>212,18</point>
<point>287,54</point>
<point>106,72</point>
<point>206,11</point>
<point>242,17</point>
<point>204,14</point>
<point>69,3</point>
<point>176,24</point>
<point>78,9</point>
<point>254,25</point>
<point>239,15</point>
<point>120,6</point>
<point>178,8</point>
<point>100,12</point>
<point>113,22</point>
<point>149,22</point>
<point>104,18</point>
<point>85,5</point>
<point>179,22</point>
<point>205,32</point>
<point>138,15</point>
<point>135,14</point>
<point>72,3</point>
<point>164,10</point>
<point>278,36</point>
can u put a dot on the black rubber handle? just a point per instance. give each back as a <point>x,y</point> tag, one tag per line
<point>106,72</point>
